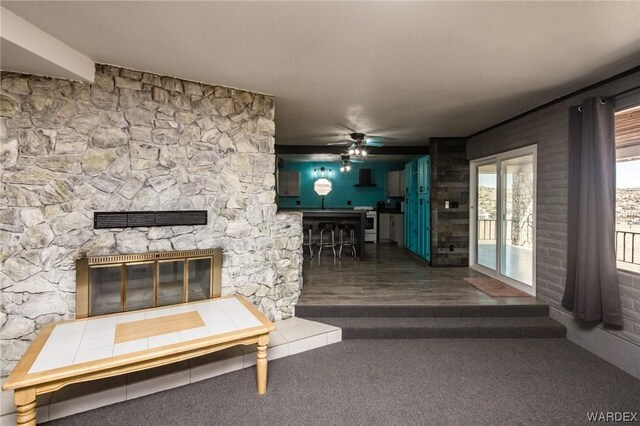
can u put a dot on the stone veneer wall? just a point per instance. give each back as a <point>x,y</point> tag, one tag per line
<point>134,141</point>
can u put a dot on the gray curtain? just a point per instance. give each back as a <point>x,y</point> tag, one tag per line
<point>591,290</point>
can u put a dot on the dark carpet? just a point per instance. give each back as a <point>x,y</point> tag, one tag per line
<point>370,382</point>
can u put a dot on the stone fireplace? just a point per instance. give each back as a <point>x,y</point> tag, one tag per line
<point>135,141</point>
<point>119,283</point>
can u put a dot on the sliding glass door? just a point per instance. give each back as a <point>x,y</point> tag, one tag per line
<point>486,218</point>
<point>516,257</point>
<point>503,217</point>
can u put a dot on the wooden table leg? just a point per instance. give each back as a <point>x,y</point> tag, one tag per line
<point>261,363</point>
<point>25,400</point>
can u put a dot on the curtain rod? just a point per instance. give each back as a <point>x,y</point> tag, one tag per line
<point>606,98</point>
<point>624,92</point>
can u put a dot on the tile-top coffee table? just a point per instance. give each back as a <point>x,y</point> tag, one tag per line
<point>94,348</point>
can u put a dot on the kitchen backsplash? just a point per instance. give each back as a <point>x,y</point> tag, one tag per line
<point>343,186</point>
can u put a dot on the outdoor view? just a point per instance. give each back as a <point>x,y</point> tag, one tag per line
<point>628,214</point>
<point>515,247</point>
<point>627,127</point>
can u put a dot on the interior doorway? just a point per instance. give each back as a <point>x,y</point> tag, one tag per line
<point>503,217</point>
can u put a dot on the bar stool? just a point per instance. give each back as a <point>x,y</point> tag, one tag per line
<point>350,229</point>
<point>307,230</point>
<point>327,227</point>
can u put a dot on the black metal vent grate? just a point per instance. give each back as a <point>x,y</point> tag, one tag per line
<point>104,220</point>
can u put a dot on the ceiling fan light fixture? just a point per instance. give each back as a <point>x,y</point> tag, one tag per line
<point>363,153</point>
<point>351,151</point>
<point>348,168</point>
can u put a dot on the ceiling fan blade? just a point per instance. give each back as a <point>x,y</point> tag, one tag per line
<point>343,126</point>
<point>339,143</point>
<point>356,161</point>
<point>374,143</point>
<point>379,137</point>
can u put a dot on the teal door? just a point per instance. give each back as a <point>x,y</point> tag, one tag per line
<point>424,207</point>
<point>407,221</point>
<point>409,178</point>
<point>413,222</point>
<point>411,207</point>
<point>424,175</point>
<point>417,213</point>
<point>424,226</point>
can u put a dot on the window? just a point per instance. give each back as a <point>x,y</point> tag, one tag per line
<point>627,130</point>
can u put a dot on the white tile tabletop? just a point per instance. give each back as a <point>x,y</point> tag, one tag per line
<point>94,338</point>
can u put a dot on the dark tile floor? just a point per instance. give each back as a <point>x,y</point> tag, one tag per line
<point>391,276</point>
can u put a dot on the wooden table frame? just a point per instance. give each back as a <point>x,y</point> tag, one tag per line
<point>28,386</point>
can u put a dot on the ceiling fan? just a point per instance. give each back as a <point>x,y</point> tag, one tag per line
<point>345,166</point>
<point>358,142</point>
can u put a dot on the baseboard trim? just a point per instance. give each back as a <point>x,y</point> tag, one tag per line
<point>613,349</point>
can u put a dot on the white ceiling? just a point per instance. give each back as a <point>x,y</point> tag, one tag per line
<point>407,71</point>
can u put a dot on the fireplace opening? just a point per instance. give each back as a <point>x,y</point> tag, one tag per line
<point>119,283</point>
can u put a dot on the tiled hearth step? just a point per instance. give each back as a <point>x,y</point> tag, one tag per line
<point>292,336</point>
<point>416,311</point>
<point>433,328</point>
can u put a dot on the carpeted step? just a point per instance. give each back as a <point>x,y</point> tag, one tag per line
<point>432,328</point>
<point>414,311</point>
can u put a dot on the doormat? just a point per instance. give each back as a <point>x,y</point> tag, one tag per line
<point>495,288</point>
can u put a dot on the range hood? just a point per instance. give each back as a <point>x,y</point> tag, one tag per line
<point>365,179</point>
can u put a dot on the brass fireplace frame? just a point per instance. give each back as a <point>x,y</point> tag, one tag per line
<point>84,265</point>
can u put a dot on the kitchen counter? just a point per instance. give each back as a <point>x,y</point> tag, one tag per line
<point>338,216</point>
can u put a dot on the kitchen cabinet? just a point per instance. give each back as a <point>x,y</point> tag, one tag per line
<point>409,178</point>
<point>411,221</point>
<point>289,184</point>
<point>417,218</point>
<point>384,227</point>
<point>396,228</point>
<point>424,225</point>
<point>424,173</point>
<point>395,183</point>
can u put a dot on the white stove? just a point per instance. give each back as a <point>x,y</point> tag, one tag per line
<point>371,228</point>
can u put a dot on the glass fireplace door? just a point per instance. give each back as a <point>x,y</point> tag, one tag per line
<point>171,282</point>
<point>106,289</point>
<point>139,288</point>
<point>199,279</point>
<point>109,284</point>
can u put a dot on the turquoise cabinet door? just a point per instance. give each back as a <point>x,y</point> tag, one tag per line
<point>424,175</point>
<point>424,226</point>
<point>415,230</point>
<point>423,187</point>
<point>421,224</point>
<point>411,222</point>
<point>417,216</point>
<point>407,220</point>
<point>409,178</point>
